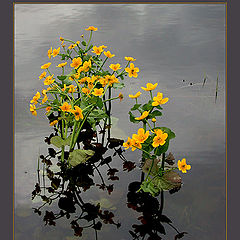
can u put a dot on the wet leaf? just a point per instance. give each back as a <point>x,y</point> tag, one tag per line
<point>59,142</point>
<point>79,156</point>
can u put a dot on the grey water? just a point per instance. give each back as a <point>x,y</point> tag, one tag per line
<point>175,45</point>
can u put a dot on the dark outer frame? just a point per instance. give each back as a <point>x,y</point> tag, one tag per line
<point>7,106</point>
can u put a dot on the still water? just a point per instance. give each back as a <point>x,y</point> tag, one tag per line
<point>172,43</point>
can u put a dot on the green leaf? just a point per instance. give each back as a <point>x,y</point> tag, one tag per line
<point>59,142</point>
<point>84,43</point>
<point>136,106</point>
<point>99,103</point>
<point>98,114</point>
<point>162,149</point>
<point>78,156</point>
<point>118,85</point>
<point>154,114</point>
<point>147,106</point>
<point>61,77</point>
<point>90,47</point>
<point>132,117</point>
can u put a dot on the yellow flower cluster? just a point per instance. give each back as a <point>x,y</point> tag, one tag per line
<point>137,139</point>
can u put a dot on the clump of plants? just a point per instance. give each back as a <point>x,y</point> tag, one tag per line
<point>153,141</point>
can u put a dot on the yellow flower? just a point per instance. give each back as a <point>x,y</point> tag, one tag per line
<point>112,79</point>
<point>55,52</point>
<point>130,59</point>
<point>76,62</point>
<point>61,39</point>
<point>103,81</point>
<point>62,64</point>
<point>86,65</point>
<point>46,66</point>
<point>141,137</point>
<point>90,85</point>
<point>83,80</point>
<point>97,50</point>
<point>42,75</point>
<point>49,53</point>
<point>154,120</point>
<point>85,90</point>
<point>91,28</point>
<point>159,100</point>
<point>136,95</point>
<point>66,107</point>
<point>160,138</point>
<point>49,80</point>
<point>120,96</point>
<point>136,144</point>
<point>53,122</point>
<point>48,108</point>
<point>128,143</point>
<point>132,71</point>
<point>108,54</point>
<point>72,46</point>
<point>182,165</point>
<point>72,89</point>
<point>149,87</point>
<point>33,110</point>
<point>35,98</point>
<point>144,115</point>
<point>71,78</point>
<point>103,46</point>
<point>77,113</point>
<point>115,67</point>
<point>97,92</point>
<point>77,42</point>
<point>45,99</point>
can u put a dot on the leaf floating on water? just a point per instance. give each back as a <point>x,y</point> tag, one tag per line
<point>79,156</point>
<point>147,166</point>
<point>59,142</point>
<point>170,159</point>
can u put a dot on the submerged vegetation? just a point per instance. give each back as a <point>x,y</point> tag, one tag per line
<point>78,103</point>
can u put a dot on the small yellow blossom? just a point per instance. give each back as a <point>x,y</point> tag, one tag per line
<point>103,46</point>
<point>160,138</point>
<point>83,80</point>
<point>130,59</point>
<point>103,81</point>
<point>91,28</point>
<point>86,90</point>
<point>136,144</point>
<point>136,95</point>
<point>86,65</point>
<point>115,67</point>
<point>112,80</point>
<point>66,107</point>
<point>159,100</point>
<point>49,53</point>
<point>182,165</point>
<point>78,42</point>
<point>53,122</point>
<point>128,143</point>
<point>141,136</point>
<point>35,98</point>
<point>71,78</point>
<point>45,99</point>
<point>154,120</point>
<point>77,113</point>
<point>120,96</point>
<point>49,80</point>
<point>48,108</point>
<point>72,89</point>
<point>55,52</point>
<point>144,115</point>
<point>62,64</point>
<point>61,39</point>
<point>76,62</point>
<point>42,75</point>
<point>150,87</point>
<point>33,110</point>
<point>98,92</point>
<point>108,54</point>
<point>132,70</point>
<point>46,66</point>
<point>97,50</point>
<point>72,46</point>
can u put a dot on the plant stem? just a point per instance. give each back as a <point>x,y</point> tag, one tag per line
<point>89,40</point>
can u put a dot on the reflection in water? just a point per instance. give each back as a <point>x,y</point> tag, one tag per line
<point>152,218</point>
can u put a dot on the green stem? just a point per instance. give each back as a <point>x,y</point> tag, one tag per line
<point>89,40</point>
